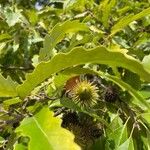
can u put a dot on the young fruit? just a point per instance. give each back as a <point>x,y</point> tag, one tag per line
<point>82,91</point>
<point>71,83</point>
<point>85,93</point>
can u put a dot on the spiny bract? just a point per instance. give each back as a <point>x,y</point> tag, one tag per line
<point>85,93</point>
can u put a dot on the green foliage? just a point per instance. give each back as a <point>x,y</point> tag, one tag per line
<point>7,87</point>
<point>57,34</point>
<point>62,61</point>
<point>128,145</point>
<point>146,63</point>
<point>48,47</point>
<point>106,7</point>
<point>45,130</point>
<point>128,19</point>
<point>1,141</point>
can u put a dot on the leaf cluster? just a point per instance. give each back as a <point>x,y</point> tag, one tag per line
<point>46,46</point>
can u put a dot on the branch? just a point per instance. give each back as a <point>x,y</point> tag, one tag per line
<point>16,68</point>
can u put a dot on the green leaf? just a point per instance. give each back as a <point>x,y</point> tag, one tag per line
<point>106,9</point>
<point>7,87</point>
<point>69,104</point>
<point>146,116</point>
<point>123,10</point>
<point>145,93</point>
<point>123,136</point>
<point>113,137</point>
<point>57,34</point>
<point>119,135</point>
<point>12,17</point>
<point>1,141</point>
<point>76,57</point>
<point>128,19</point>
<point>99,144</point>
<point>19,147</point>
<point>143,39</point>
<point>75,4</point>
<point>68,3</point>
<point>32,16</point>
<point>10,102</point>
<point>2,46</point>
<point>45,132</point>
<point>4,37</point>
<point>146,63</point>
<point>127,145</point>
<point>148,139</point>
<point>130,78</point>
<point>116,122</point>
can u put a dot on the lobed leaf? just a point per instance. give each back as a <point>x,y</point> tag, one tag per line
<point>77,56</point>
<point>57,34</point>
<point>12,17</point>
<point>45,132</point>
<point>7,87</point>
<point>106,9</point>
<point>128,19</point>
<point>19,147</point>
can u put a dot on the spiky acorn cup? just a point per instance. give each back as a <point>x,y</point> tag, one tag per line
<point>111,94</point>
<point>86,130</point>
<point>84,93</point>
<point>86,133</point>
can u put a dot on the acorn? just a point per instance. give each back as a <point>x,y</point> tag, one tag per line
<point>81,90</point>
<point>69,118</point>
<point>84,93</point>
<point>86,130</point>
<point>81,138</point>
<point>111,94</point>
<point>91,127</point>
<point>71,83</point>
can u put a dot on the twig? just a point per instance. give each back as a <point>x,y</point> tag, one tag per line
<point>11,121</point>
<point>16,68</point>
<point>59,111</point>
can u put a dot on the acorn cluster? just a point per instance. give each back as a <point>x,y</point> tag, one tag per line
<point>86,91</point>
<point>86,131</point>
